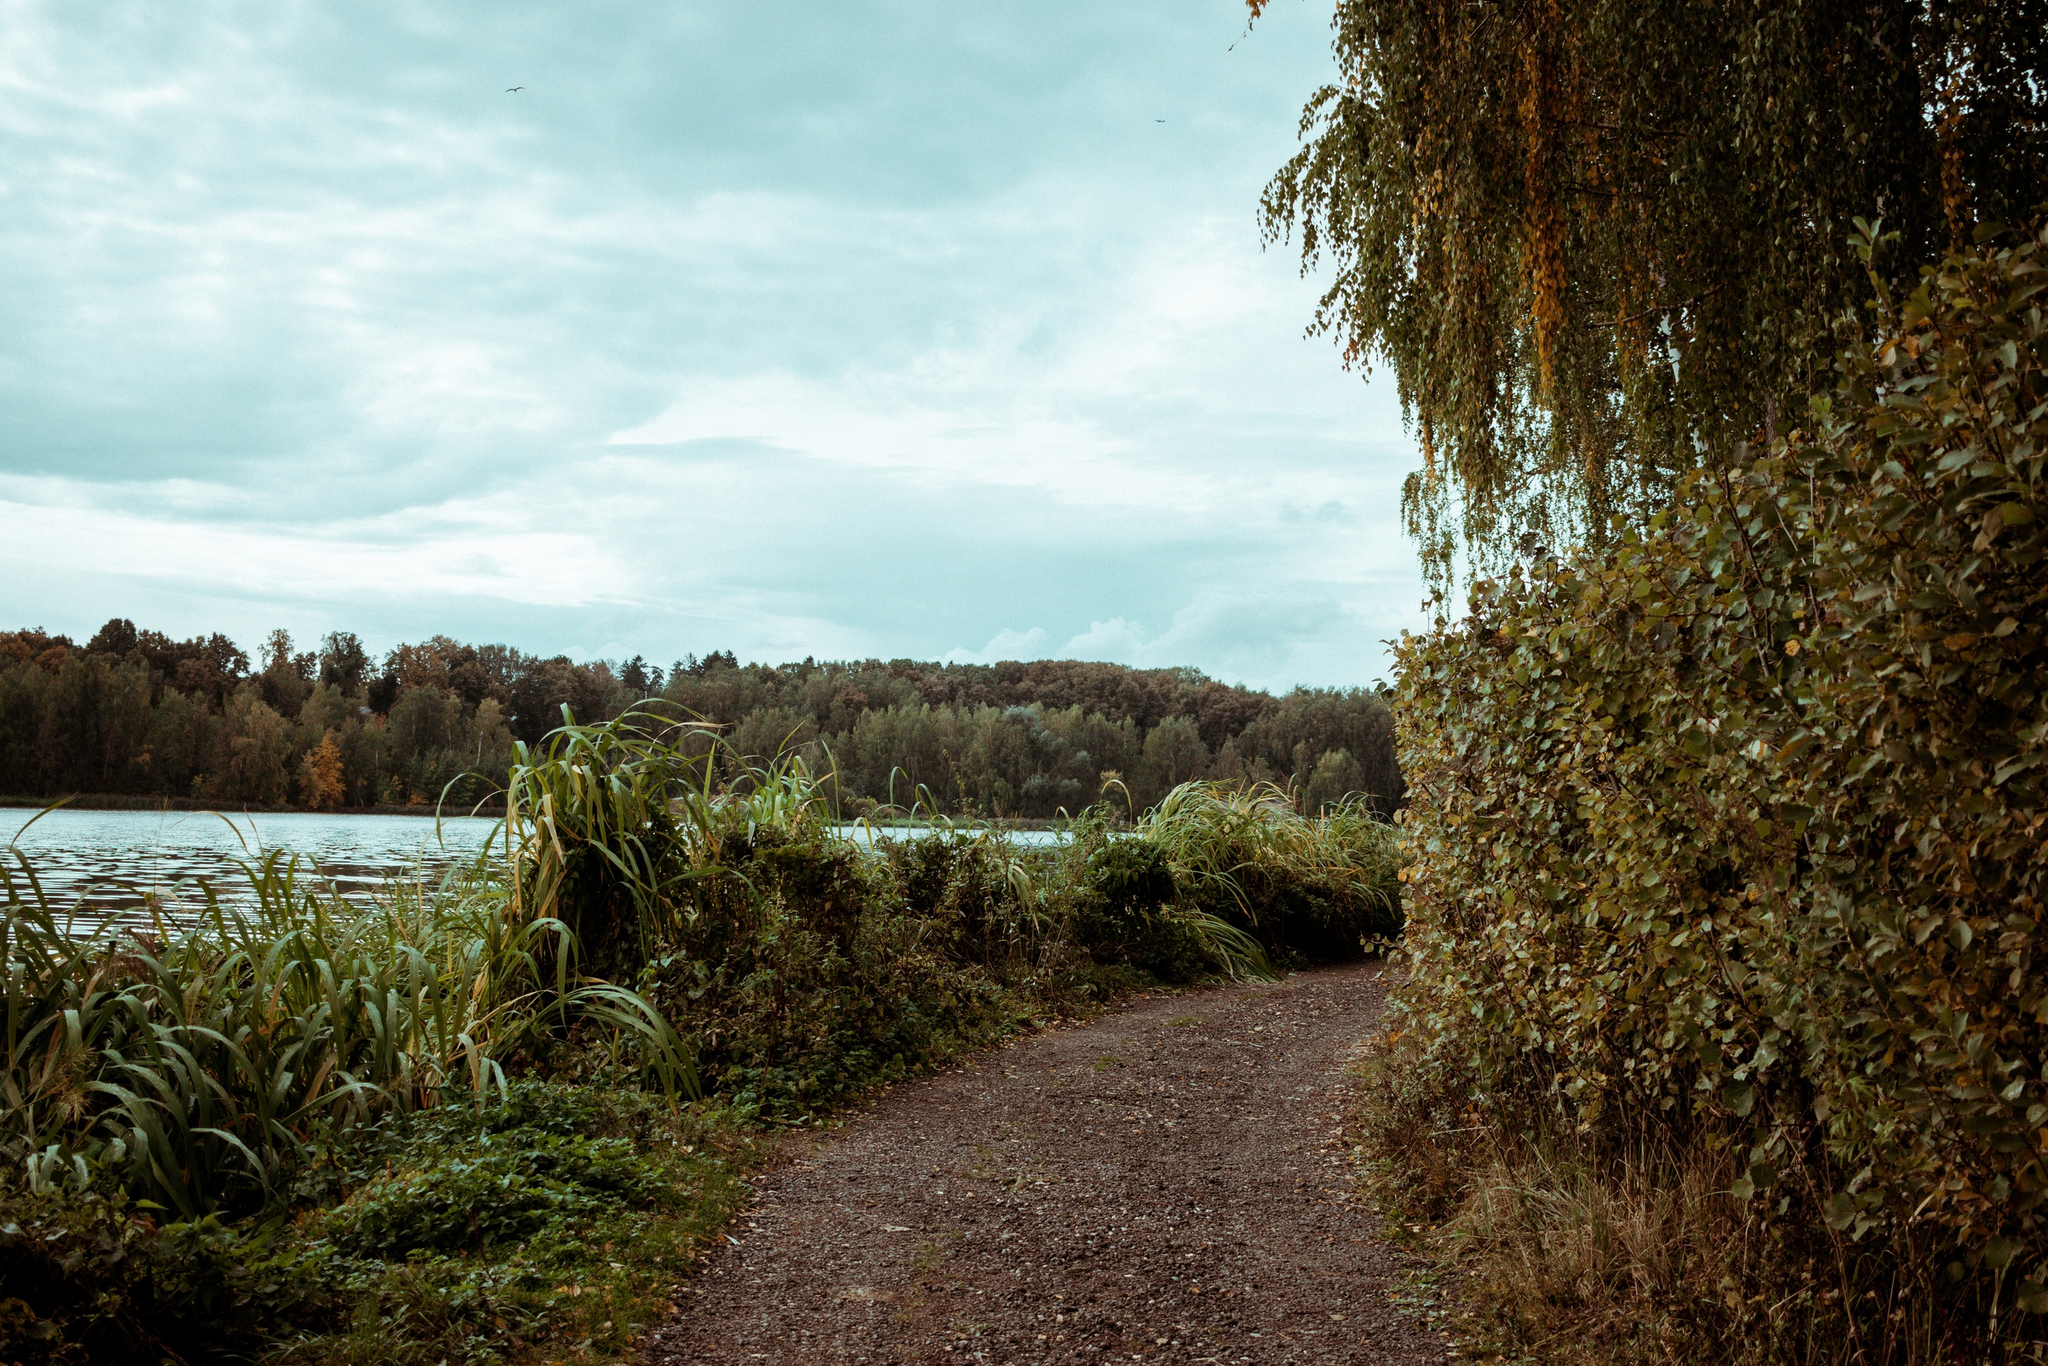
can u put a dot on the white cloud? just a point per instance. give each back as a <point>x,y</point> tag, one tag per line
<point>458,550</point>
<point>1115,642</point>
<point>1007,643</point>
<point>862,335</point>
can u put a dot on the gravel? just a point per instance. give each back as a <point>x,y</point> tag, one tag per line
<point>1167,1183</point>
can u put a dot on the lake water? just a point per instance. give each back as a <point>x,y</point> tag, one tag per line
<point>109,860</point>
<point>106,862</point>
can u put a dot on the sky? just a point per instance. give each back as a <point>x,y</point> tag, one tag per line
<point>841,330</point>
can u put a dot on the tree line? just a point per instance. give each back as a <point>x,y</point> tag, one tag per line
<point>135,713</point>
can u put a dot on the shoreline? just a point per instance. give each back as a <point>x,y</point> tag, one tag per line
<point>114,801</point>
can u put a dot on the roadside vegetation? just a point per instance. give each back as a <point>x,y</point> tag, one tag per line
<point>1726,1027</point>
<point>1725,1034</point>
<point>497,1118</point>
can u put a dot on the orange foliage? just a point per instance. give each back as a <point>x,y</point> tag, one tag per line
<point>320,775</point>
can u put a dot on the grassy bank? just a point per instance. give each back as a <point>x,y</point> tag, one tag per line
<point>496,1120</point>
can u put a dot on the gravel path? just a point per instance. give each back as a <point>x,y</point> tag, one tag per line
<point>1167,1183</point>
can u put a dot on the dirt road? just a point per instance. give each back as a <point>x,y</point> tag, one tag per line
<point>1166,1183</point>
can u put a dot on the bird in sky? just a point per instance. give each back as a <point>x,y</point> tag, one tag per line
<point>511,89</point>
<point>1159,120</point>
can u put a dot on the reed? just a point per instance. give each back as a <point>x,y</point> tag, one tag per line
<point>193,1062</point>
<point>608,825</point>
<point>1245,854</point>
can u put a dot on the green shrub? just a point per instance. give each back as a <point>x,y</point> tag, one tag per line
<point>91,1278</point>
<point>1322,887</point>
<point>972,887</point>
<point>1737,830</point>
<point>1124,911</point>
<point>800,976</point>
<point>504,1190</point>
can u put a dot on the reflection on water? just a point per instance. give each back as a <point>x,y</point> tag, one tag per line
<point>103,862</point>
<point>868,836</point>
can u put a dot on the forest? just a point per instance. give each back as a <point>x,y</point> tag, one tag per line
<point>134,714</point>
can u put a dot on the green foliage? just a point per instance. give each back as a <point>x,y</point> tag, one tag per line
<point>1321,886</point>
<point>91,1278</point>
<point>538,1157</point>
<point>546,1219</point>
<point>1129,909</point>
<point>807,970</point>
<point>192,1070</point>
<point>1599,242</point>
<point>503,1192</point>
<point>594,843</point>
<point>1735,829</point>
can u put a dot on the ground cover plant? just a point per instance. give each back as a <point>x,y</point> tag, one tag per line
<point>1725,1032</point>
<point>497,1118</point>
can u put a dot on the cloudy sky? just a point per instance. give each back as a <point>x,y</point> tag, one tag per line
<point>835,329</point>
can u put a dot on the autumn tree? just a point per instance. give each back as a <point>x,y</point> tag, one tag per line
<point>320,776</point>
<point>1600,241</point>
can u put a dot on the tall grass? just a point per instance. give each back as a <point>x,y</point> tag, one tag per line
<point>1247,854</point>
<point>192,1063</point>
<point>607,825</point>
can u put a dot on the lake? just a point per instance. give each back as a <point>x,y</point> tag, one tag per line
<point>108,860</point>
<point>105,862</point>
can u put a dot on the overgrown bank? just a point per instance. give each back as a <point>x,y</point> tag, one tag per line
<point>498,1121</point>
<point>1727,1033</point>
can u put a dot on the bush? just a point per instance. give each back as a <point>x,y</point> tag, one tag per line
<point>89,1278</point>
<point>1323,888</point>
<point>1735,831</point>
<point>807,971</point>
<point>1124,911</point>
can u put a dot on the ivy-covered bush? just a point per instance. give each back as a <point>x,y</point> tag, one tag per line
<point>1739,829</point>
